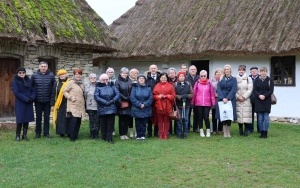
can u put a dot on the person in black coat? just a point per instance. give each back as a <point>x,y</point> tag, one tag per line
<point>254,76</point>
<point>24,97</point>
<point>123,85</point>
<point>263,89</point>
<point>42,81</point>
<point>59,101</point>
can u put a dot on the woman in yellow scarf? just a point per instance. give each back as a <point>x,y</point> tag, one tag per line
<point>59,104</point>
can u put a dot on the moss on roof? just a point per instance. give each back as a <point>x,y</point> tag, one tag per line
<point>53,21</point>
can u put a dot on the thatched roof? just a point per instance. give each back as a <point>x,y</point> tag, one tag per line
<point>57,22</point>
<point>203,27</point>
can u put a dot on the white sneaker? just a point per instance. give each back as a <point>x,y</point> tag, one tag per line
<point>143,138</point>
<point>202,133</point>
<point>207,132</point>
<point>113,133</point>
<point>126,137</point>
<point>138,138</point>
<point>131,133</point>
<point>122,137</point>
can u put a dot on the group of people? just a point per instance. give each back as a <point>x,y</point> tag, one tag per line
<point>147,99</point>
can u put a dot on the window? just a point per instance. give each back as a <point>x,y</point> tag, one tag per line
<point>283,70</point>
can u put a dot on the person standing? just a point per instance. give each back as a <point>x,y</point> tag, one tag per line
<point>74,92</point>
<point>184,94</point>
<point>123,85</point>
<point>217,125</point>
<point>152,76</point>
<point>254,75</point>
<point>192,77</point>
<point>172,79</point>
<point>133,74</point>
<point>226,89</point>
<point>91,106</point>
<point>24,97</point>
<point>141,99</point>
<point>59,104</point>
<point>263,89</point>
<point>243,103</point>
<point>164,97</point>
<point>42,81</point>
<point>106,96</point>
<point>203,100</point>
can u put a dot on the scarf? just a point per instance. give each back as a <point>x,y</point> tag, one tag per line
<point>58,103</point>
<point>204,81</point>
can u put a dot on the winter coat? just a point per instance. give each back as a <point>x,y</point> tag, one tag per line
<point>214,82</point>
<point>43,85</point>
<point>75,91</point>
<point>192,80</point>
<point>61,121</point>
<point>165,104</point>
<point>124,87</point>
<point>227,88</point>
<point>266,88</point>
<point>106,97</point>
<point>204,94</point>
<point>24,97</point>
<point>184,91</point>
<point>244,89</point>
<point>150,81</point>
<point>141,95</point>
<point>89,91</point>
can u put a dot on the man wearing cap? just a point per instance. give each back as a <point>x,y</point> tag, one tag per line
<point>42,81</point>
<point>254,75</point>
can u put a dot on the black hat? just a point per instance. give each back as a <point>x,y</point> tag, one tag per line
<point>141,75</point>
<point>253,68</point>
<point>21,69</point>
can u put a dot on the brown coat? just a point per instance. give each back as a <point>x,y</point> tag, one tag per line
<point>75,98</point>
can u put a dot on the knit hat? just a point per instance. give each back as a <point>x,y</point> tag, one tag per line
<point>141,75</point>
<point>253,68</point>
<point>181,72</point>
<point>21,69</point>
<point>61,72</point>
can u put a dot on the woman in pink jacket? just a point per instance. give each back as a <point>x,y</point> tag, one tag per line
<point>203,100</point>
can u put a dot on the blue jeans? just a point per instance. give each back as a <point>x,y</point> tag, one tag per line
<point>183,122</point>
<point>140,125</point>
<point>263,121</point>
<point>40,109</point>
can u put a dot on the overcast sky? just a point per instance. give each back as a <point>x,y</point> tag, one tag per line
<point>109,10</point>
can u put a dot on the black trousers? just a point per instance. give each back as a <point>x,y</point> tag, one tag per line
<point>195,120</point>
<point>203,114</point>
<point>40,110</point>
<point>74,124</point>
<point>251,126</point>
<point>93,120</point>
<point>150,128</point>
<point>124,122</point>
<point>217,125</point>
<point>107,123</point>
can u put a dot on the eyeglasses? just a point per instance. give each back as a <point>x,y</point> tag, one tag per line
<point>104,79</point>
<point>21,72</point>
<point>203,76</point>
<point>93,78</point>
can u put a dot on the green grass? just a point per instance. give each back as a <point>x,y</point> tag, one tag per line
<point>193,162</point>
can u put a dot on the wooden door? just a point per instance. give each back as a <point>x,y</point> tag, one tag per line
<point>8,68</point>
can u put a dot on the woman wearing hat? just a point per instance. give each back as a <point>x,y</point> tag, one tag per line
<point>141,99</point>
<point>59,104</point>
<point>24,97</point>
<point>74,92</point>
<point>184,94</point>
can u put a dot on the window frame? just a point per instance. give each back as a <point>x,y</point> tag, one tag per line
<point>283,67</point>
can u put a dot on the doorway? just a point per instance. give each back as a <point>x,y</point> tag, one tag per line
<point>201,65</point>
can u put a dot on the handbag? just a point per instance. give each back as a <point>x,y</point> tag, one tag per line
<point>124,104</point>
<point>273,99</point>
<point>225,110</point>
<point>175,115</point>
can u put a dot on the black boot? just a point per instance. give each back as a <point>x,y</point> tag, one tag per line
<point>266,134</point>
<point>241,129</point>
<point>18,131</point>
<point>25,128</point>
<point>91,134</point>
<point>247,130</point>
<point>262,134</point>
<point>97,133</point>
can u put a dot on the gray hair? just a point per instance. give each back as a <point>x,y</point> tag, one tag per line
<point>102,76</point>
<point>134,69</point>
<point>171,69</point>
<point>92,75</point>
<point>203,72</point>
<point>124,70</point>
<point>110,70</point>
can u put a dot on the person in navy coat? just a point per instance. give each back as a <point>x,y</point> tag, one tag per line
<point>24,97</point>
<point>226,89</point>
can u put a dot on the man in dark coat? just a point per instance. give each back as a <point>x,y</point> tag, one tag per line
<point>42,81</point>
<point>25,95</point>
<point>192,77</point>
<point>153,76</point>
<point>254,76</point>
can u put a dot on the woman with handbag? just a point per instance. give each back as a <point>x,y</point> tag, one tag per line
<point>164,97</point>
<point>203,100</point>
<point>226,90</point>
<point>184,94</point>
<point>123,85</point>
<point>141,99</point>
<point>263,89</point>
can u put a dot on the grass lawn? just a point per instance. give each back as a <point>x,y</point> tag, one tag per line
<point>193,162</point>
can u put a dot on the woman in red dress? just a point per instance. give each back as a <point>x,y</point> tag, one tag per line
<point>164,95</point>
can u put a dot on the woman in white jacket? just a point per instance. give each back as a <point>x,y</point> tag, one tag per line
<point>243,103</point>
